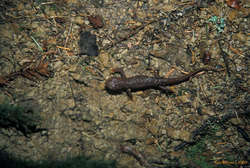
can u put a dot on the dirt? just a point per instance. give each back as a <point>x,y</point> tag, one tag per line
<point>174,37</point>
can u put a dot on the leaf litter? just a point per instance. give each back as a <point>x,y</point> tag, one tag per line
<point>171,36</point>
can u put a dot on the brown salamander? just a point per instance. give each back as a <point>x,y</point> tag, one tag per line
<point>142,82</point>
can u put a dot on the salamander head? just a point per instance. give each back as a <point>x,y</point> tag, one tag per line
<point>114,84</point>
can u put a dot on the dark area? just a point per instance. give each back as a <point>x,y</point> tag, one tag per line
<point>56,63</point>
<point>9,161</point>
<point>21,118</point>
<point>87,44</point>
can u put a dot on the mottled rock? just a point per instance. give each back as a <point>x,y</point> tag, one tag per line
<point>87,44</point>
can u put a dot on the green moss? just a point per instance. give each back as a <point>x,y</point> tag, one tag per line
<point>194,155</point>
<point>23,119</point>
<point>78,162</point>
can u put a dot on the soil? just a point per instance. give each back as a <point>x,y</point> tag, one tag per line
<point>40,40</point>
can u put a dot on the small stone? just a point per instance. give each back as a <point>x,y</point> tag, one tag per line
<point>78,20</point>
<point>105,42</point>
<point>73,68</point>
<point>86,116</point>
<point>78,77</point>
<point>98,3</point>
<point>155,47</point>
<point>163,132</point>
<point>104,58</point>
<point>179,134</point>
<point>218,133</point>
<point>49,11</point>
<point>58,65</point>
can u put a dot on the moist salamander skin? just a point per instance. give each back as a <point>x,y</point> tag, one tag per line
<point>141,82</point>
<point>118,84</point>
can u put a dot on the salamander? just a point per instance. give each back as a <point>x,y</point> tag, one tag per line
<point>142,82</point>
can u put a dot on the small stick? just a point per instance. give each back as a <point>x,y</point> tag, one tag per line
<point>137,155</point>
<point>225,58</point>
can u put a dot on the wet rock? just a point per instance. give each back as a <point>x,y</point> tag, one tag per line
<point>82,117</point>
<point>87,44</point>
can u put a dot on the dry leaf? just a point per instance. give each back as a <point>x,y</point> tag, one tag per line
<point>232,14</point>
<point>36,72</point>
<point>31,73</point>
<point>233,4</point>
<point>3,82</point>
<point>215,10</point>
<point>42,69</point>
<point>96,21</point>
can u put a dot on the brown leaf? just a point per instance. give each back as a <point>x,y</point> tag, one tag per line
<point>3,81</point>
<point>42,69</point>
<point>206,57</point>
<point>232,15</point>
<point>233,4</point>
<point>96,21</point>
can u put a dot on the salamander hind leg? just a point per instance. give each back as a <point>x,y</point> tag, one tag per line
<point>166,89</point>
<point>129,94</point>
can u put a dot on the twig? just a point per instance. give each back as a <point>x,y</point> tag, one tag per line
<point>72,91</point>
<point>172,16</point>
<point>225,58</point>
<point>64,48</point>
<point>129,35</point>
<point>137,155</point>
<point>70,28</point>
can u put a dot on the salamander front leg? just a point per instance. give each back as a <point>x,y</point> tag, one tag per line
<point>120,71</point>
<point>157,73</point>
<point>129,94</point>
